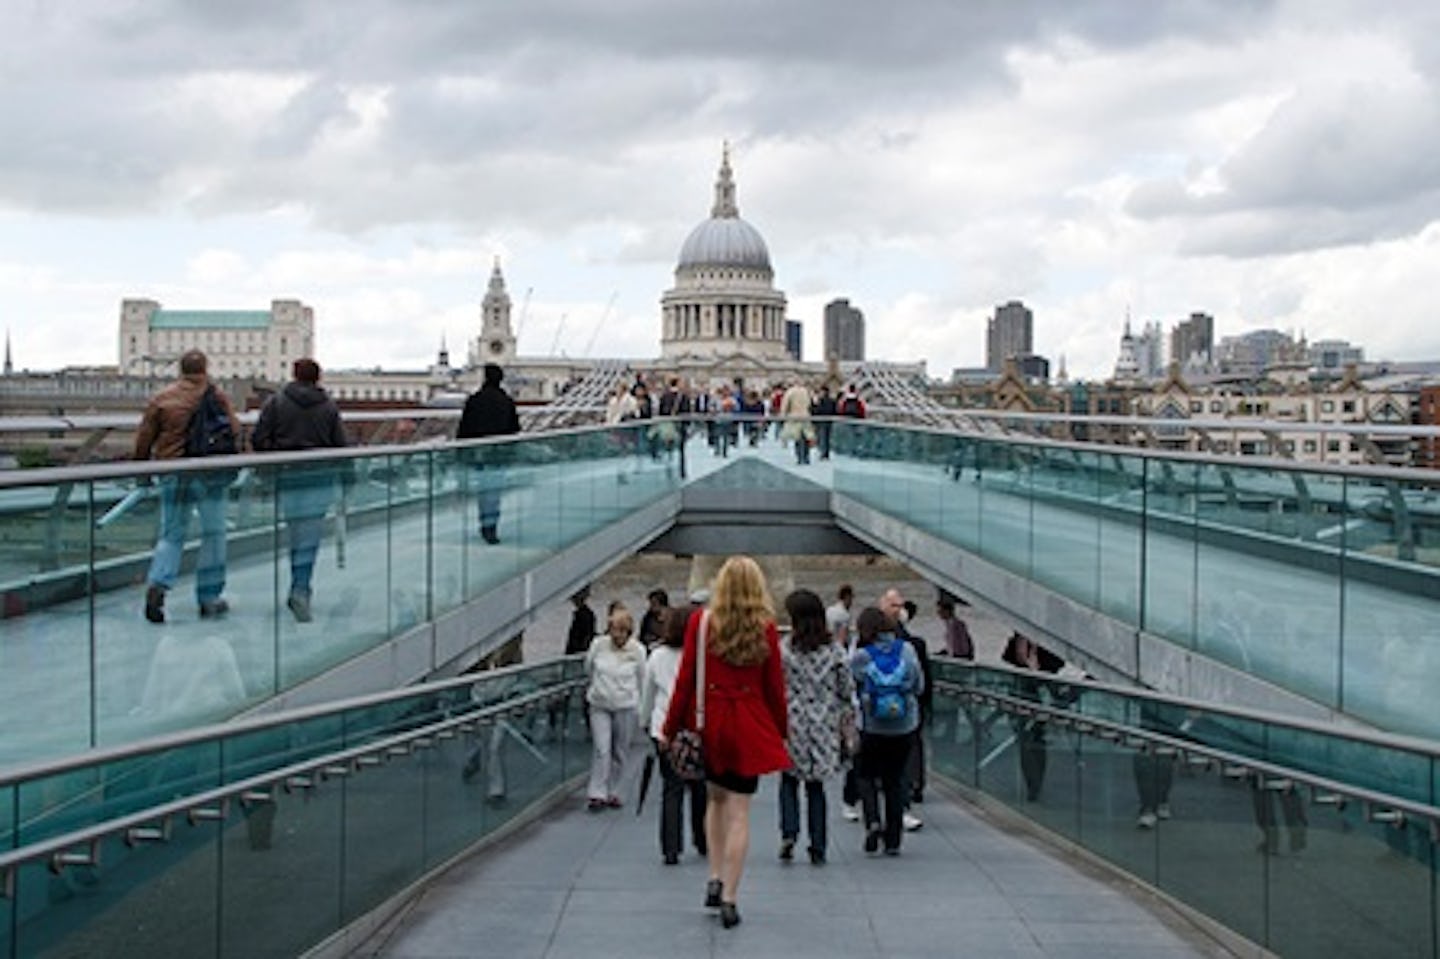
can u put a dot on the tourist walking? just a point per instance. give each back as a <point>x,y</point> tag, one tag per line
<point>489,412</point>
<point>165,433</point>
<point>888,675</point>
<point>660,672</point>
<point>797,428</point>
<point>745,716</point>
<point>615,664</point>
<point>819,691</point>
<point>302,416</point>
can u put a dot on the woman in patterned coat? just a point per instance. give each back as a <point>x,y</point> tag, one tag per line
<point>820,692</point>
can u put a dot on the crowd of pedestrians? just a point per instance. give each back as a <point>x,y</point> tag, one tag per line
<point>835,694</point>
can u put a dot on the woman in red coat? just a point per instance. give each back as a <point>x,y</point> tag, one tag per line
<point>745,716</point>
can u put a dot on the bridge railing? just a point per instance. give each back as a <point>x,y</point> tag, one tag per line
<point>268,836</point>
<point>1305,839</point>
<point>400,545</point>
<point>1324,580</point>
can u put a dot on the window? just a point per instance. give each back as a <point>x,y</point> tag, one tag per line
<point>1327,406</point>
<point>1197,406</point>
<point>1216,406</point>
<point>1308,446</point>
<point>1332,446</point>
<point>1349,406</point>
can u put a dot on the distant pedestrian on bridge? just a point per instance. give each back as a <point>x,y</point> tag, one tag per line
<point>164,434</point>
<point>302,416</point>
<point>489,412</point>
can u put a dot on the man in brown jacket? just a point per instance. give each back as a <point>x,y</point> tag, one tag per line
<point>163,432</point>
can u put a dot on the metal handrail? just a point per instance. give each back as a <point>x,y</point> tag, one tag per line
<point>1409,473</point>
<point>1233,765</point>
<point>1361,734</point>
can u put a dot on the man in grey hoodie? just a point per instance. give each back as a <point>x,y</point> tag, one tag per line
<point>302,416</point>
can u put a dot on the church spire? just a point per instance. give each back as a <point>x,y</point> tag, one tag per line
<point>725,189</point>
<point>497,279</point>
<point>9,366</point>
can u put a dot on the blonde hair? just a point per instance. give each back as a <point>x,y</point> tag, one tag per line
<point>621,617</point>
<point>740,610</point>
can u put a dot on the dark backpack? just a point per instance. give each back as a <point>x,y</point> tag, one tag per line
<point>210,433</point>
<point>886,693</point>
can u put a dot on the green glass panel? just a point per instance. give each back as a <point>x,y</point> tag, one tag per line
<point>1170,551</point>
<point>383,840</point>
<point>152,899</point>
<point>282,872</point>
<point>45,629</point>
<point>1353,889</point>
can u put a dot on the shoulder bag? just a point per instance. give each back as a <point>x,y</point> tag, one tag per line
<point>687,750</point>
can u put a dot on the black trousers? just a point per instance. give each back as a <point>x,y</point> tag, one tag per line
<point>672,801</point>
<point>914,782</point>
<point>882,772</point>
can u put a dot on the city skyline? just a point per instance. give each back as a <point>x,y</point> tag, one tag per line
<point>1264,163</point>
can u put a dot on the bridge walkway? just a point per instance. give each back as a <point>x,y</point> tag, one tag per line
<point>586,885</point>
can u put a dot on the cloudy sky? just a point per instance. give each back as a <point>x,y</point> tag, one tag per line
<point>1271,162</point>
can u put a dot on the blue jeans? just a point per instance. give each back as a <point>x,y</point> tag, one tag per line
<point>489,481</point>
<point>304,500</point>
<point>814,809</point>
<point>178,496</point>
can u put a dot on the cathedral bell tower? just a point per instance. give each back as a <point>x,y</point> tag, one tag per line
<point>496,343</point>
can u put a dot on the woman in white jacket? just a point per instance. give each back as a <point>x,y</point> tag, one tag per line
<point>615,664</point>
<point>660,673</point>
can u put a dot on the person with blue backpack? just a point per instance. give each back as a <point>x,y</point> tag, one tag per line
<point>888,675</point>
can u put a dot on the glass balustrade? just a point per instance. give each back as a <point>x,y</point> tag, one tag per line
<point>1299,870</point>
<point>1326,583</point>
<point>395,541</point>
<point>274,870</point>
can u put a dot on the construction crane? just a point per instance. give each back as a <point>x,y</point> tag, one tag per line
<point>604,318</point>
<point>524,312</point>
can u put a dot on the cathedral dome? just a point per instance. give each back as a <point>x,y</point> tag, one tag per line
<point>725,240</point>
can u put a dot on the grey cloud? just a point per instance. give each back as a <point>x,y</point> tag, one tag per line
<point>1328,169</point>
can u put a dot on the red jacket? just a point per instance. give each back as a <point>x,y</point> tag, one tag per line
<point>745,713</point>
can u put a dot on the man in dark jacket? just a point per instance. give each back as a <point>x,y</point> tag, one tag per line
<point>824,406</point>
<point>489,412</point>
<point>302,416</point>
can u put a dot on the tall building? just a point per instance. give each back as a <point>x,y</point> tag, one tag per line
<point>1192,342</point>
<point>496,343</point>
<point>1010,333</point>
<point>844,332</point>
<point>1150,352</point>
<point>724,302</point>
<point>261,344</point>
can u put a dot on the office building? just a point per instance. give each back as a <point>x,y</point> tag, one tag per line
<point>844,332</point>
<point>1011,333</point>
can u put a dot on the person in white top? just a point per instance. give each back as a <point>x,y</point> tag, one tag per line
<point>621,405</point>
<point>660,672</point>
<point>615,664</point>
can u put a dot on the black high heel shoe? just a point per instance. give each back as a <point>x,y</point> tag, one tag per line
<point>729,915</point>
<point>712,894</point>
